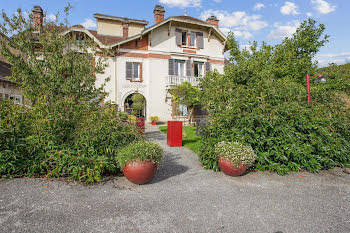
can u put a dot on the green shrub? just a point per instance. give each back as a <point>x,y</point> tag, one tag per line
<point>261,101</point>
<point>141,151</point>
<point>236,153</point>
<point>32,143</point>
<point>154,118</point>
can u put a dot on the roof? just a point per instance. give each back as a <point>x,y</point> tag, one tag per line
<point>189,18</point>
<point>106,40</point>
<point>181,19</point>
<point>122,19</point>
<point>5,71</point>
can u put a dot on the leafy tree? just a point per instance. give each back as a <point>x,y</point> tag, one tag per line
<point>138,104</point>
<point>187,95</point>
<point>261,101</point>
<point>65,132</point>
<point>50,64</point>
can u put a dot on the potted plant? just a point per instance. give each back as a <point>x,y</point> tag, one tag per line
<point>139,161</point>
<point>234,158</point>
<point>154,120</point>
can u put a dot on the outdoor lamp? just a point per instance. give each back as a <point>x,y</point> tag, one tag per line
<point>321,79</point>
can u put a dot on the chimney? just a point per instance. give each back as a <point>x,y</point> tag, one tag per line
<point>38,18</point>
<point>213,21</point>
<point>158,14</point>
<point>125,28</point>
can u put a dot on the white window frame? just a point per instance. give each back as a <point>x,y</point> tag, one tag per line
<point>200,71</point>
<point>180,69</point>
<point>195,39</point>
<point>17,99</point>
<point>133,78</point>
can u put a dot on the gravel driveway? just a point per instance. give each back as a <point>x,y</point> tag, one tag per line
<point>182,198</point>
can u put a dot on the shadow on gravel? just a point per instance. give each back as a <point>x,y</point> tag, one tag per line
<point>155,135</point>
<point>169,167</point>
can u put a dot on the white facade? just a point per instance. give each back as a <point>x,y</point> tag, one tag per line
<point>154,60</point>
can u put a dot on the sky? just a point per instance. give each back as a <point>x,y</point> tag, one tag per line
<point>250,20</point>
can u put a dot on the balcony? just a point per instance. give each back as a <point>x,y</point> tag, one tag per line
<point>173,80</point>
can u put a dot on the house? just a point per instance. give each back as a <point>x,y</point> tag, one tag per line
<point>8,89</point>
<point>150,60</point>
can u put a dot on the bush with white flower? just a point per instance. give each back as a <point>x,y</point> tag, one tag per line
<point>236,152</point>
<point>140,151</point>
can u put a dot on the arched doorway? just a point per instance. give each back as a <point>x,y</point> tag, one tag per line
<point>135,104</point>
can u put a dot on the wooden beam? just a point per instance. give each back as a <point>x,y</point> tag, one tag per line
<point>169,28</point>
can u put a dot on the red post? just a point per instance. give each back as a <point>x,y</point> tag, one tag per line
<point>174,134</point>
<point>308,88</point>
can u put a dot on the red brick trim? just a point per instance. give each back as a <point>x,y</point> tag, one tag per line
<point>216,61</point>
<point>159,56</point>
<point>142,55</point>
<point>189,51</point>
<point>127,54</point>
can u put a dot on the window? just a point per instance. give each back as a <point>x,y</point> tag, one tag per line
<point>17,99</point>
<point>180,110</point>
<point>198,69</point>
<point>184,38</point>
<point>180,68</point>
<point>136,71</point>
<point>80,40</point>
<point>193,39</point>
<point>189,38</point>
<point>133,71</point>
<point>136,43</point>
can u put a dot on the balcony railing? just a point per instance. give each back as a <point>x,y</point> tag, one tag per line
<point>176,80</point>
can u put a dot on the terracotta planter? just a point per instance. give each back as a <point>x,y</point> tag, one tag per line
<point>229,168</point>
<point>140,172</point>
<point>154,122</point>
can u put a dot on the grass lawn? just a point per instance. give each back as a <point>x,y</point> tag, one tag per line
<point>190,140</point>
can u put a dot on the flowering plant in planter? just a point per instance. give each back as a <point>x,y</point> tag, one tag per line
<point>154,119</point>
<point>234,157</point>
<point>139,161</point>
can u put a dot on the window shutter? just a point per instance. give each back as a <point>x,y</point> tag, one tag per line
<point>200,40</point>
<point>136,70</point>
<point>171,66</point>
<point>128,71</point>
<point>178,33</point>
<point>207,66</point>
<point>189,70</point>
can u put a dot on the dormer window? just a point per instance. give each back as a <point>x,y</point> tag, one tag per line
<point>189,38</point>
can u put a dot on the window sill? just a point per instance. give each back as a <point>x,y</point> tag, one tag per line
<point>188,47</point>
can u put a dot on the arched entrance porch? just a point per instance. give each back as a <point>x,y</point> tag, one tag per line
<point>135,104</point>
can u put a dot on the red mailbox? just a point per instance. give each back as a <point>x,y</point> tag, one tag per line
<point>140,122</point>
<point>174,134</point>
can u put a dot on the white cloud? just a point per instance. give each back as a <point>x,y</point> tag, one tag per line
<point>323,7</point>
<point>309,14</point>
<point>282,31</point>
<point>258,6</point>
<point>182,3</point>
<point>289,8</point>
<point>238,33</point>
<point>334,55</point>
<point>239,19</point>
<point>51,17</point>
<point>89,24</point>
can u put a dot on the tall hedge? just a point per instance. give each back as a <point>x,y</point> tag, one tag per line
<point>261,101</point>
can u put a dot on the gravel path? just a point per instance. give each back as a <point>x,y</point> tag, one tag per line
<point>182,198</point>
